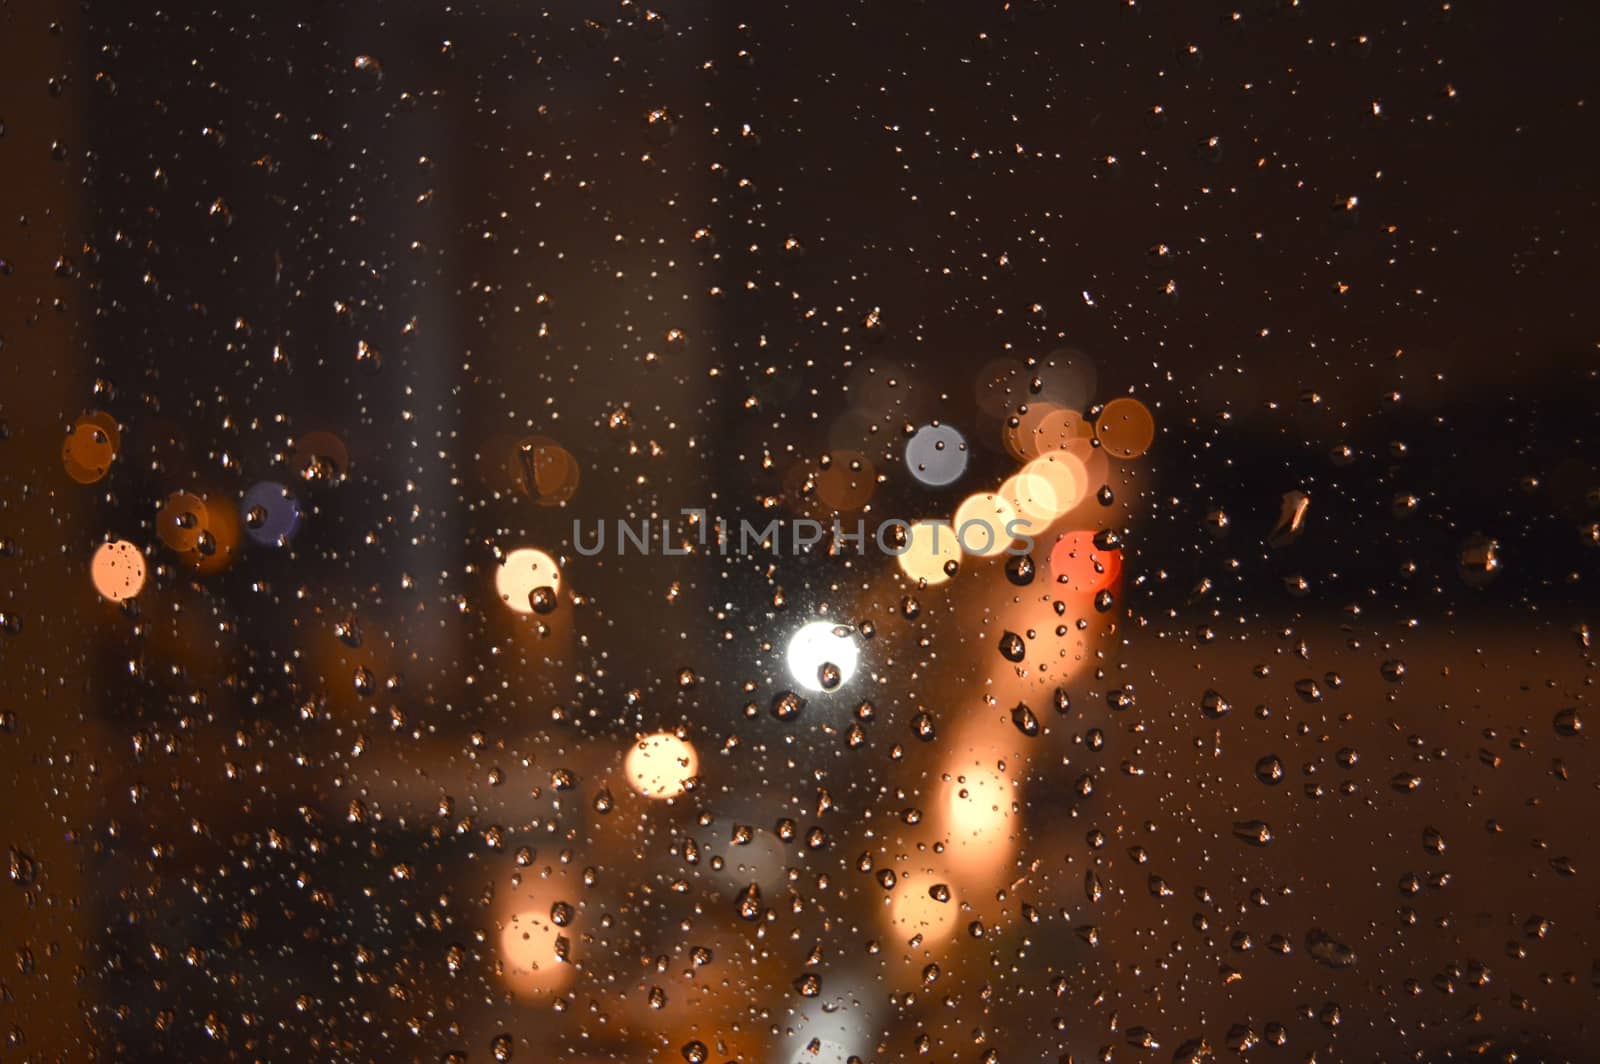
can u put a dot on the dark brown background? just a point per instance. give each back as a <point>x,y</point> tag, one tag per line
<point>949,165</point>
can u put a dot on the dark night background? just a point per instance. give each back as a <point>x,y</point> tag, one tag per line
<point>1347,249</point>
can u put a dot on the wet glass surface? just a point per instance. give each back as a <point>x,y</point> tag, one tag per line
<point>798,532</point>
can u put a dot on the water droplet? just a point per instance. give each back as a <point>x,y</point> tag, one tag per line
<point>750,903</point>
<point>1020,570</point>
<point>786,705</point>
<point>1269,770</point>
<point>542,599</point>
<point>1327,950</point>
<point>1567,723</point>
<point>1478,561</point>
<point>368,360</point>
<point>1026,722</point>
<point>829,676</point>
<point>23,869</point>
<point>1255,832</point>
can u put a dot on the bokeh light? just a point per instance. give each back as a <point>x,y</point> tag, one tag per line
<point>528,951</point>
<point>835,1028</point>
<point>1059,429</point>
<point>181,521</point>
<point>90,447</point>
<point>1126,428</point>
<point>321,456</point>
<point>818,645</point>
<point>661,765</point>
<point>1049,486</point>
<point>117,570</point>
<point>1078,566</point>
<point>544,471</point>
<point>846,481</point>
<point>524,571</point>
<point>912,910</point>
<point>978,817</point>
<point>1021,429</point>
<point>983,524</point>
<point>217,542</point>
<point>931,552</point>
<point>1000,386</point>
<point>271,514</point>
<point>1067,377</point>
<point>936,455</point>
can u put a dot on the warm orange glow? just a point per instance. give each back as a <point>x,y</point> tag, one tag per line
<point>89,448</point>
<point>1021,431</point>
<point>117,570</point>
<point>544,470</point>
<point>181,520</point>
<point>978,804</point>
<point>524,571</point>
<point>847,481</point>
<point>930,547</point>
<point>1126,428</point>
<point>107,424</point>
<point>1059,428</point>
<point>912,910</point>
<point>214,548</point>
<point>1078,566</point>
<point>661,765</point>
<point>528,951</point>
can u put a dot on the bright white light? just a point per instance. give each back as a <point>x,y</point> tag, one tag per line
<point>817,644</point>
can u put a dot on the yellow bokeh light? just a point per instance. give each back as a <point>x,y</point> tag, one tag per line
<point>523,572</point>
<point>117,570</point>
<point>1049,486</point>
<point>930,547</point>
<point>983,524</point>
<point>1032,499</point>
<point>661,765</point>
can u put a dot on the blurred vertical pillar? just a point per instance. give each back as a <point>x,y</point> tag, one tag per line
<point>48,744</point>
